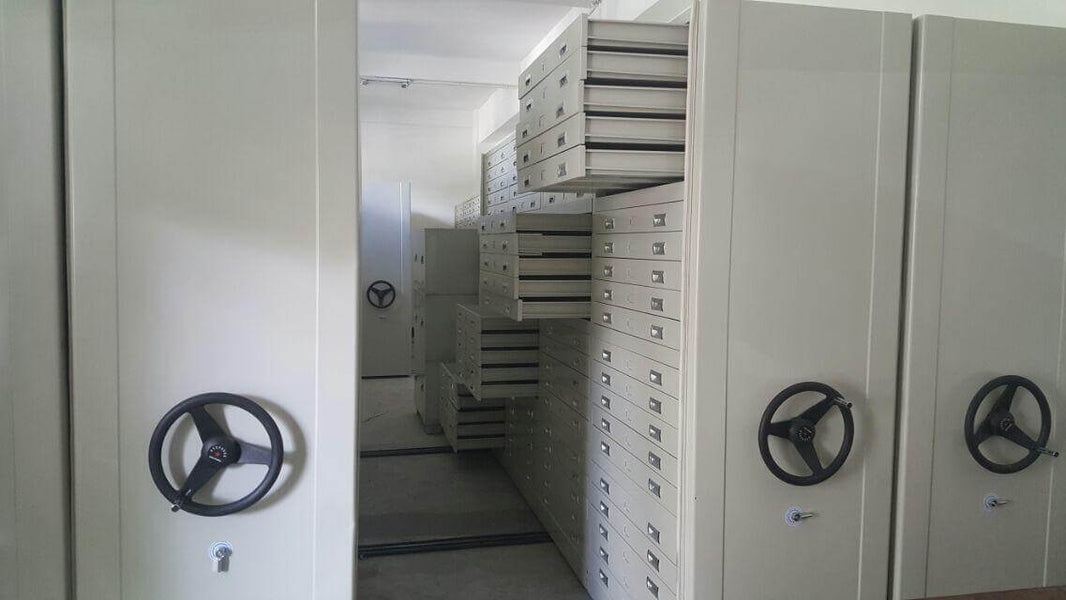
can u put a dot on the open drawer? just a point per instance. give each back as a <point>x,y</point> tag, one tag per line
<point>593,131</point>
<point>535,244</point>
<point>537,308</point>
<point>523,266</point>
<point>516,288</point>
<point>583,169</point>
<point>527,223</point>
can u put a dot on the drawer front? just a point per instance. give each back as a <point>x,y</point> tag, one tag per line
<point>566,203</point>
<point>502,182</point>
<point>574,129</point>
<point>554,266</point>
<point>513,288</point>
<point>661,463</point>
<point>668,194</point>
<point>642,521</point>
<point>658,330</point>
<point>641,219</point>
<point>609,548</point>
<point>639,394</point>
<point>653,273</point>
<point>657,431</point>
<point>501,196</point>
<point>498,373</point>
<point>581,167</point>
<point>529,204</point>
<point>654,246</point>
<point>656,375</point>
<point>654,301</point>
<point>564,383</point>
<point>534,308</point>
<point>569,43</point>
<point>572,333</point>
<point>493,357</point>
<point>566,354</point>
<point>659,101</point>
<point>517,339</point>
<point>506,166</point>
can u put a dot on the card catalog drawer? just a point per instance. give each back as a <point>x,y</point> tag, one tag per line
<point>609,548</point>
<point>536,308</point>
<point>654,429</point>
<point>639,394</point>
<point>652,482</point>
<point>655,246</point>
<point>654,301</point>
<point>641,219</point>
<point>653,273</point>
<point>514,288</point>
<point>583,169</point>
<point>636,444</point>
<point>623,352</point>
<point>658,330</point>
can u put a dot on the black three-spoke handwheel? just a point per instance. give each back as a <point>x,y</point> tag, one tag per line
<point>802,431</point>
<point>218,451</point>
<point>381,294</point>
<point>1000,422</point>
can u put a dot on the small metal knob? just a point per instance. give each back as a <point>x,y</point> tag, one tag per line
<point>796,515</point>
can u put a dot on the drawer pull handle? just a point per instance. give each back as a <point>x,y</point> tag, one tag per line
<point>562,169</point>
<point>529,80</point>
<point>653,533</point>
<point>608,295</point>
<point>655,377</point>
<point>656,330</point>
<point>606,487</point>
<point>605,448</point>
<point>655,433</point>
<point>605,556</point>
<point>525,157</point>
<point>561,140</point>
<point>657,304</point>
<point>654,589</point>
<point>658,220</point>
<point>525,182</point>
<point>606,318</point>
<point>562,50</point>
<point>529,106</point>
<point>606,510</point>
<point>656,276</point>
<point>658,248</point>
<point>606,354</point>
<point>653,560</point>
<point>608,247</point>
<point>608,223</point>
<point>560,111</point>
<point>525,134</point>
<point>605,401</point>
<point>655,461</point>
<point>603,531</point>
<point>605,378</point>
<point>606,425</point>
<point>655,488</point>
<point>608,271</point>
<point>603,577</point>
<point>565,79</point>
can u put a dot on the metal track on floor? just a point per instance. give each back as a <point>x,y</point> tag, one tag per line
<point>405,451</point>
<point>456,543</point>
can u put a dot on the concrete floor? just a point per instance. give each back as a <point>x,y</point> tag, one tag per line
<point>437,496</point>
<point>387,417</point>
<point>1055,593</point>
<point>535,572</point>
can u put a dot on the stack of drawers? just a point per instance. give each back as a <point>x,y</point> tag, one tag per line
<point>535,265</point>
<point>467,213</point>
<point>495,357</point>
<point>469,423</point>
<point>500,178</point>
<point>634,384</point>
<point>603,108</point>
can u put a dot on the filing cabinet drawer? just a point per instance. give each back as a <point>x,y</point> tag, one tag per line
<point>651,455</point>
<point>582,128</point>
<point>503,373</point>
<point>458,395</point>
<point>641,219</point>
<point>564,383</point>
<point>565,354</point>
<point>535,308</point>
<point>643,523</point>
<point>639,394</point>
<point>505,195</point>
<point>542,223</point>
<point>653,273</point>
<point>655,246</point>
<point>662,194</point>
<point>530,204</point>
<point>536,115</point>
<point>655,430</point>
<point>514,288</point>
<point>500,154</point>
<point>504,167</point>
<point>573,333</point>
<point>623,352</point>
<point>583,169</point>
<point>654,301</point>
<point>473,429</point>
<point>501,183</point>
<point>504,208</point>
<point>535,244</point>
<point>520,266</point>
<point>487,391</point>
<point>658,330</point>
<point>471,319</point>
<point>653,482</point>
<point>508,356</point>
<point>584,33</point>
<point>607,547</point>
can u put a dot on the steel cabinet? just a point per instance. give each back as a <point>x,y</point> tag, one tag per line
<point>812,281</point>
<point>385,293</point>
<point>984,299</point>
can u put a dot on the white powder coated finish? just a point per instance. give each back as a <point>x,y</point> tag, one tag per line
<point>212,192</point>
<point>985,298</point>
<point>799,252</point>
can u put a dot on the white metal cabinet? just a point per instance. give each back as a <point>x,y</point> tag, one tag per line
<point>985,299</point>
<point>812,284</point>
<point>386,279</point>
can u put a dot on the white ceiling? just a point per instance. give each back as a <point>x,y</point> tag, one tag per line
<point>452,40</point>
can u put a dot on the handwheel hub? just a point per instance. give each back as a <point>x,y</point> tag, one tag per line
<point>803,431</point>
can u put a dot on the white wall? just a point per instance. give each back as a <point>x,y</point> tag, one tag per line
<point>33,395</point>
<point>432,149</point>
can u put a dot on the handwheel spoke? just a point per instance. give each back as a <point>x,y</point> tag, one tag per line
<point>201,473</point>
<point>809,456</point>
<point>779,429</point>
<point>1016,435</point>
<point>984,431</point>
<point>253,455</point>
<point>816,412</point>
<point>1003,403</point>
<point>206,425</point>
